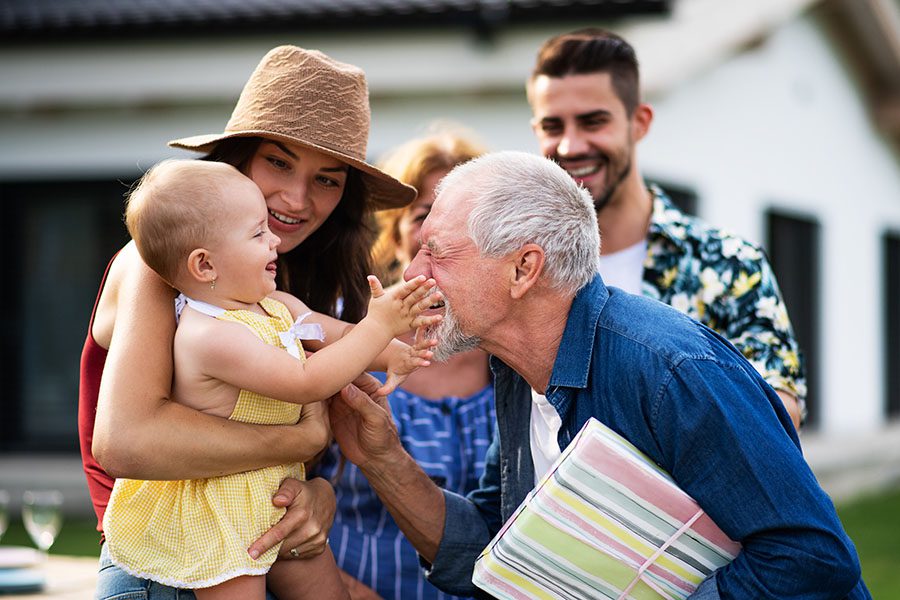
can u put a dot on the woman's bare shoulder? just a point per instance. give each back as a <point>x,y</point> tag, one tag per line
<point>127,271</point>
<point>107,303</point>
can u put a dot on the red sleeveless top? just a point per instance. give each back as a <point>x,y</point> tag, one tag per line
<point>93,357</point>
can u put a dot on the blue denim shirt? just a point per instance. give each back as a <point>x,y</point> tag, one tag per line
<point>692,403</point>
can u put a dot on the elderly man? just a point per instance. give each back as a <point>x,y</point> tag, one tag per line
<point>512,243</point>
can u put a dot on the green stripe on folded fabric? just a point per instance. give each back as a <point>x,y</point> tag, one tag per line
<point>623,534</point>
<point>515,579</point>
<point>561,581</point>
<point>567,550</point>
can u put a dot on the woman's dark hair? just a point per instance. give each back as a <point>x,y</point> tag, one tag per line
<point>332,263</point>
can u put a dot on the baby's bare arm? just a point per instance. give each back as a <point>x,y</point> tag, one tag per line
<point>242,360</point>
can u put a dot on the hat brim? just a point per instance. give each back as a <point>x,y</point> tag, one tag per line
<point>382,190</point>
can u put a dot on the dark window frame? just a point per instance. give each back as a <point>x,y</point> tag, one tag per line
<point>103,198</point>
<point>890,241</point>
<point>683,196</point>
<point>793,245</point>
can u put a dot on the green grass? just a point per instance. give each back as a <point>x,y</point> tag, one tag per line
<point>872,523</point>
<point>76,538</point>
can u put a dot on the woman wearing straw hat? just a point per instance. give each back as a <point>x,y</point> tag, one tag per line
<point>299,131</point>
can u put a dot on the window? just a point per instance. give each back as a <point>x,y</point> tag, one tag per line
<point>891,262</point>
<point>682,197</point>
<point>793,247</point>
<point>52,261</point>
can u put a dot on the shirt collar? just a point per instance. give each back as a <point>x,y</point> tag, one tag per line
<point>667,221</point>
<point>571,367</point>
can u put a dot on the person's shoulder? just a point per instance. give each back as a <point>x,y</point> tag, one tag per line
<point>719,248</point>
<point>125,262</point>
<point>193,327</point>
<point>197,331</point>
<point>648,326</point>
<point>129,273</point>
<point>204,341</point>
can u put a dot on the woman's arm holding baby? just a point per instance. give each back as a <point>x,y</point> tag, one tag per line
<point>139,431</point>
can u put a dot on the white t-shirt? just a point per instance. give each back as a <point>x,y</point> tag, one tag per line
<point>625,269</point>
<point>545,424</point>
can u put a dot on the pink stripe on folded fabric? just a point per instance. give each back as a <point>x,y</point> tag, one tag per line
<point>603,538</point>
<point>657,554</point>
<point>667,497</point>
<point>501,584</point>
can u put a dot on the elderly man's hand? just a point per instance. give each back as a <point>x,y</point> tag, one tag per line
<point>361,422</point>
<point>304,527</point>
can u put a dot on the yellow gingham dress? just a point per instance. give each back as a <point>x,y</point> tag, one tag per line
<point>195,534</point>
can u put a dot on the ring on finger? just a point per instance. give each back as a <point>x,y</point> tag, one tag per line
<point>294,553</point>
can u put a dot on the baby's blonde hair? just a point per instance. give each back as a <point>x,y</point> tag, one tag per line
<point>174,209</point>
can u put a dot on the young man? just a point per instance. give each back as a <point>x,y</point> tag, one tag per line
<point>584,93</point>
<point>512,243</point>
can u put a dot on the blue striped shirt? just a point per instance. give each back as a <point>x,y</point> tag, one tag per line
<point>449,439</point>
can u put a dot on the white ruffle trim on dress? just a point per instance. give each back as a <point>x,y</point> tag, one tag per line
<point>185,585</point>
<point>206,308</point>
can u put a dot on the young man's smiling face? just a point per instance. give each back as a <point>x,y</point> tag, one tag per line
<point>582,124</point>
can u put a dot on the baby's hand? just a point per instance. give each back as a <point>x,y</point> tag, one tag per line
<point>406,360</point>
<point>399,308</point>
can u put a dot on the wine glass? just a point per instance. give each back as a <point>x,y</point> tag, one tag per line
<point>4,511</point>
<point>42,515</point>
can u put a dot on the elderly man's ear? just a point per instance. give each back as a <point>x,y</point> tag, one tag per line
<point>526,269</point>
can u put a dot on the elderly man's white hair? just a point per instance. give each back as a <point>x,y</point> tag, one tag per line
<point>521,198</point>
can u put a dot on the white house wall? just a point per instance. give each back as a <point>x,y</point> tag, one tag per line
<point>777,125</point>
<point>106,107</point>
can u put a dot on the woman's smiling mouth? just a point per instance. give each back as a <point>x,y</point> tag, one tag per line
<point>284,218</point>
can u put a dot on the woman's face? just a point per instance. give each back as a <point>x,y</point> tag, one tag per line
<point>410,223</point>
<point>301,187</point>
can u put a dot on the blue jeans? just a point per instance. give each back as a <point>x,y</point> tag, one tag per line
<point>707,590</point>
<point>115,584</point>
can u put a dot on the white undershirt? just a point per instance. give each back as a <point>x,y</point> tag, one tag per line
<point>625,269</point>
<point>545,424</point>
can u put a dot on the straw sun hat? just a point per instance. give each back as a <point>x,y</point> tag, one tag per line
<point>304,97</point>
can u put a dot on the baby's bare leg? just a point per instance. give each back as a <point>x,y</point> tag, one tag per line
<point>251,587</point>
<point>307,579</point>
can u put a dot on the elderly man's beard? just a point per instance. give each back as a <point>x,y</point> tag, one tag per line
<point>451,339</point>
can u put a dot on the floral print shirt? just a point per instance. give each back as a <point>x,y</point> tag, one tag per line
<point>726,283</point>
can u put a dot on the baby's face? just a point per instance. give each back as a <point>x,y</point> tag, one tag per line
<point>245,253</point>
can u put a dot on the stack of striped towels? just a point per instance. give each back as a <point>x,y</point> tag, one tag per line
<point>605,522</point>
